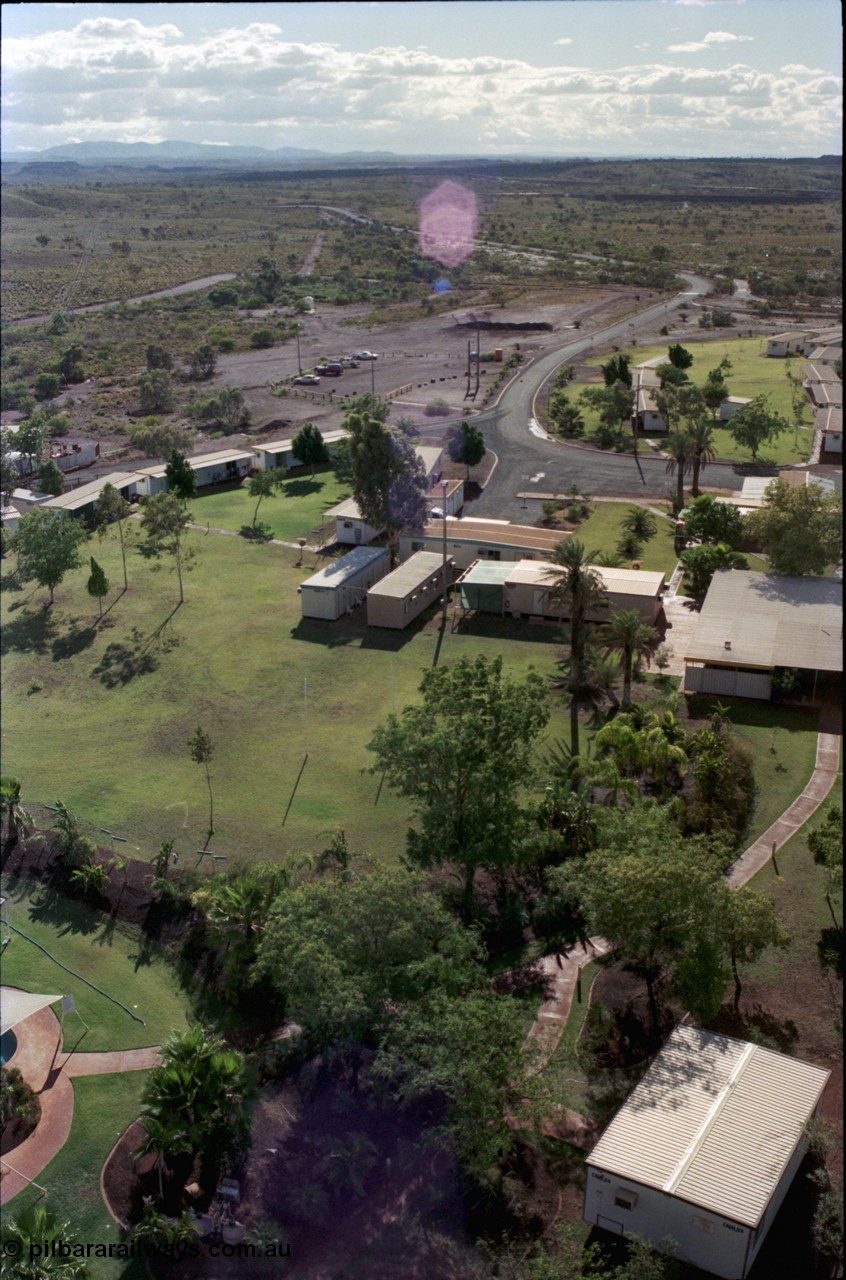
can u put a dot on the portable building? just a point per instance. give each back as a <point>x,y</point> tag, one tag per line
<point>482,586</point>
<point>732,405</point>
<point>704,1149</point>
<point>350,525</point>
<point>344,583</point>
<point>472,539</point>
<point>400,597</point>
<point>81,501</point>
<point>280,453</point>
<point>753,623</point>
<point>222,467</point>
<point>528,591</point>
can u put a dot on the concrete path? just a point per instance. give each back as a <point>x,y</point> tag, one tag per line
<point>50,1072</point>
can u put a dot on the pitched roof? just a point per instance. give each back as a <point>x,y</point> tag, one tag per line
<point>714,1122</point>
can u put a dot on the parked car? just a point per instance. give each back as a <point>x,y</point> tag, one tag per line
<point>365,355</point>
<point>333,370</point>
<point>348,362</point>
<point>306,380</point>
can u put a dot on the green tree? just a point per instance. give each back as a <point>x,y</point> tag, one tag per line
<point>155,391</point>
<point>709,520</point>
<point>577,586</point>
<point>268,279</point>
<point>180,476</point>
<point>466,445</point>
<point>112,508</point>
<point>31,436</point>
<point>158,358</point>
<point>756,424</point>
<point>263,485</point>
<point>700,432</point>
<point>90,879</point>
<point>388,479</point>
<point>156,439</point>
<point>48,544</point>
<point>701,563</point>
<point>715,390</point>
<point>799,529</point>
<point>9,474</point>
<point>632,638</point>
<point>617,369</point>
<point>13,814</point>
<point>679,356</point>
<point>201,749</point>
<point>27,1240</point>
<point>98,584</point>
<point>466,1048</point>
<point>614,405</point>
<point>309,447</point>
<point>679,450</point>
<point>203,363</point>
<point>47,385</point>
<point>640,522</point>
<point>826,844</point>
<point>565,417</point>
<point>164,520</point>
<point>346,955</point>
<point>71,368</point>
<point>51,478</point>
<point>461,757</point>
<point>749,925</point>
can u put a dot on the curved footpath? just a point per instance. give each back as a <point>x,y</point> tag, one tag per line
<point>50,1072</point>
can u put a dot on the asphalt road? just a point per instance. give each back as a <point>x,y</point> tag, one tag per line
<point>530,464</point>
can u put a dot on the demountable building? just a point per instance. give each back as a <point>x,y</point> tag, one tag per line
<point>344,583</point>
<point>400,597</point>
<point>704,1149</point>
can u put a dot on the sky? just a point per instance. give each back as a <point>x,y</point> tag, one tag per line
<point>467,77</point>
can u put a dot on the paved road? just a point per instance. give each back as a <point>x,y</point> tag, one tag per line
<point>529,462</point>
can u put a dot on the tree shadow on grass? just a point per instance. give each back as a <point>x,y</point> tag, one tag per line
<point>830,950</point>
<point>122,661</point>
<point>30,633</point>
<point>75,641</point>
<point>300,488</point>
<point>62,914</point>
<point>757,1025</point>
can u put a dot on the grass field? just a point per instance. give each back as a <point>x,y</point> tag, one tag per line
<point>752,374</point>
<point>294,512</point>
<point>601,531</point>
<point>100,717</point>
<point>119,960</point>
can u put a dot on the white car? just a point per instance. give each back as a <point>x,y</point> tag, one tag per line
<point>365,355</point>
<point>306,380</point>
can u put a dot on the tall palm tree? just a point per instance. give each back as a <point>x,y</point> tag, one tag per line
<point>164,1140</point>
<point>679,448</point>
<point>701,434</point>
<point>628,635</point>
<point>578,587</point>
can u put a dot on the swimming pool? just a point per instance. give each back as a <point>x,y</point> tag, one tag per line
<point>8,1047</point>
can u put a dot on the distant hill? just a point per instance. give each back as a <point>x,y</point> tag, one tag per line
<point>180,153</point>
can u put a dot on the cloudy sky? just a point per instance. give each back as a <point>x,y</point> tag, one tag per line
<point>485,77</point>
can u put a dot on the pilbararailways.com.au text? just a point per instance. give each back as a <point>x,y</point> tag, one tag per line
<point>55,1249</point>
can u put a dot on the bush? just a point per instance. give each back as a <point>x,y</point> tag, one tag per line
<point>260,339</point>
<point>47,386</point>
<point>437,409</point>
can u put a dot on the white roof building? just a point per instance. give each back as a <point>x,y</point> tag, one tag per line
<point>705,1148</point>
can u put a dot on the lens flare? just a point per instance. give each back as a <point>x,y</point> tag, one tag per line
<point>448,223</point>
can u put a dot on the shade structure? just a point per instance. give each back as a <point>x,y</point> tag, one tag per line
<point>15,1006</point>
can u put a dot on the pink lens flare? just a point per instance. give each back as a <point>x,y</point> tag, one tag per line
<point>448,223</point>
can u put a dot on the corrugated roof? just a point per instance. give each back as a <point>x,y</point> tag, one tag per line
<point>489,572</point>
<point>279,446</point>
<point>344,567</point>
<point>496,531</point>
<point>408,576</point>
<point>714,1122</point>
<point>770,620</point>
<point>635,582</point>
<point>72,499</point>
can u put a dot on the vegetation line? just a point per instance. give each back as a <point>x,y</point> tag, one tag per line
<point>73,974</point>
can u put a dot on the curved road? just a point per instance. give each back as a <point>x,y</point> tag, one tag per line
<point>529,462</point>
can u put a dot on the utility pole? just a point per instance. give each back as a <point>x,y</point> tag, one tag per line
<point>444,486</point>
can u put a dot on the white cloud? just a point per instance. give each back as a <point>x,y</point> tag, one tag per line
<point>563,40</point>
<point>122,79</point>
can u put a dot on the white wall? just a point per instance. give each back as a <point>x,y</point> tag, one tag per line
<point>704,1239</point>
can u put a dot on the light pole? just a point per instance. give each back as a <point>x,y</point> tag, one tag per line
<point>444,486</point>
<point>299,361</point>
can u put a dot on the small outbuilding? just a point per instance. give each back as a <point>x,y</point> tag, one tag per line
<point>525,590</point>
<point>704,1149</point>
<point>82,500</point>
<point>344,583</point>
<point>350,525</point>
<point>280,453</point>
<point>732,405</point>
<point>399,598</point>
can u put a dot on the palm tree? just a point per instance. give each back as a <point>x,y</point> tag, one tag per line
<point>628,635</point>
<point>29,1235</point>
<point>13,813</point>
<point>640,522</point>
<point>679,448</point>
<point>162,1139</point>
<point>578,587</point>
<point>701,434</point>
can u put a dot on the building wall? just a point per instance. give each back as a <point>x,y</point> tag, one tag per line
<point>727,682</point>
<point>332,602</point>
<point>533,600</point>
<point>464,553</point>
<point>705,1239</point>
<point>397,612</point>
<point>354,533</point>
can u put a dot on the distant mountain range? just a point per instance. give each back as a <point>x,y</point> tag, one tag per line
<point>181,153</point>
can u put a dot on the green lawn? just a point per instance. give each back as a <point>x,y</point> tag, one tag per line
<point>601,531</point>
<point>296,511</point>
<point>119,960</point>
<point>103,1108</point>
<point>289,703</point>
<point>783,741</point>
<point>753,373</point>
